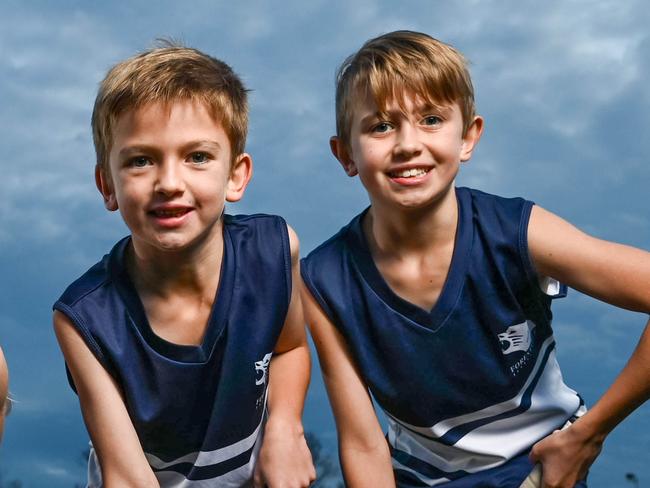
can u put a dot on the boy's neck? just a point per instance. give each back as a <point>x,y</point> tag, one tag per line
<point>195,269</point>
<point>393,231</point>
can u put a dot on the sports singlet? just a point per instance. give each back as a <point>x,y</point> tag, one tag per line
<point>198,411</point>
<point>469,386</point>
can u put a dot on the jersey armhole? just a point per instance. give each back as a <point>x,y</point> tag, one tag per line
<point>286,255</point>
<point>547,285</point>
<point>80,326</point>
<point>313,289</point>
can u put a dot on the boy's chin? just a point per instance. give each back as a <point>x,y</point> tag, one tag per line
<point>410,205</point>
<point>171,243</point>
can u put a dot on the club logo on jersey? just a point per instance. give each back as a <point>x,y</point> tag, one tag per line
<point>516,337</point>
<point>262,369</point>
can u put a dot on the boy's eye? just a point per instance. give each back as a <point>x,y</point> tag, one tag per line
<point>431,120</point>
<point>382,127</point>
<point>139,162</point>
<point>199,158</point>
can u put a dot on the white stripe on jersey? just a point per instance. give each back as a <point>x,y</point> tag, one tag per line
<point>172,479</point>
<point>208,458</point>
<point>492,444</point>
<point>421,477</point>
<point>446,458</point>
<point>237,478</point>
<point>441,428</point>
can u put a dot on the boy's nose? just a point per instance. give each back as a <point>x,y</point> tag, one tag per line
<point>170,180</point>
<point>407,143</point>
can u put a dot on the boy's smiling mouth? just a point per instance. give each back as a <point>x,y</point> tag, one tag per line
<point>409,173</point>
<point>170,212</point>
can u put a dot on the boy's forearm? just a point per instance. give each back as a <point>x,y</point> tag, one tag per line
<point>118,449</point>
<point>284,458</point>
<point>288,381</point>
<point>630,389</point>
<point>290,367</point>
<point>566,455</point>
<point>367,468</point>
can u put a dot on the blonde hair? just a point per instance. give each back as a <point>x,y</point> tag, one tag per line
<point>394,64</point>
<point>164,75</point>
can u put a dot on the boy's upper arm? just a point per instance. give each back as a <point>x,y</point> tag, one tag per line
<point>109,425</point>
<point>293,332</point>
<point>611,272</point>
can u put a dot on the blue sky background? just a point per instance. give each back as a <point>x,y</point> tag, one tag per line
<point>562,86</point>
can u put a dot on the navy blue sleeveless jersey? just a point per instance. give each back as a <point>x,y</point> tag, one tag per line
<point>198,411</point>
<point>469,386</point>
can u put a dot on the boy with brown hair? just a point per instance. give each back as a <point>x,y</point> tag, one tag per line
<point>186,343</point>
<point>437,299</point>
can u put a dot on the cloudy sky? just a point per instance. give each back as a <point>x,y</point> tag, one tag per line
<point>562,86</point>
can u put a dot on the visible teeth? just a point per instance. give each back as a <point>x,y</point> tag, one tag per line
<point>409,173</point>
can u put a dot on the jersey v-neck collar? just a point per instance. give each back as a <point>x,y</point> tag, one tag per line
<point>435,318</point>
<point>216,321</point>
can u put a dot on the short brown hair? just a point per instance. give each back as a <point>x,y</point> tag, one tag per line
<point>166,74</point>
<point>392,64</point>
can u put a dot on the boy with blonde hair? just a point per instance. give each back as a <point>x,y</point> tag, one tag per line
<point>437,299</point>
<point>186,343</point>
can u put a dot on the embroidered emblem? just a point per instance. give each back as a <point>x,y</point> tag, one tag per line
<point>262,369</point>
<point>516,337</point>
<point>261,375</point>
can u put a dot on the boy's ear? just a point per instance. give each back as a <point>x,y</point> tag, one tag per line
<point>105,187</point>
<point>471,138</point>
<point>240,174</point>
<point>341,153</point>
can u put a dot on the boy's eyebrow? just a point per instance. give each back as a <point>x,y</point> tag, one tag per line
<point>442,109</point>
<point>201,143</point>
<point>424,107</point>
<point>125,151</point>
<point>420,108</point>
<point>144,148</point>
<point>135,149</point>
<point>372,117</point>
